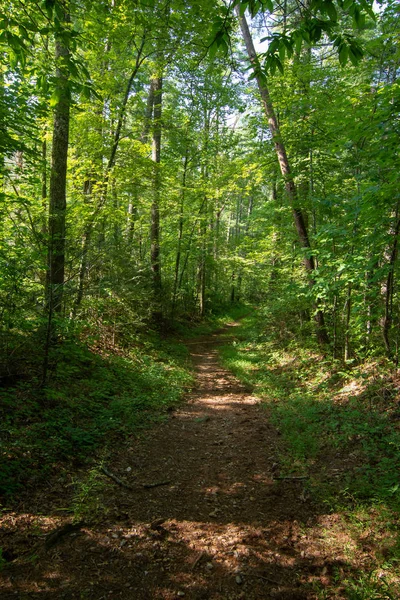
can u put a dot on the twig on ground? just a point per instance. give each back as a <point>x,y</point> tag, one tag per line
<point>115,478</point>
<point>292,478</point>
<point>269,580</point>
<point>148,486</point>
<point>198,559</point>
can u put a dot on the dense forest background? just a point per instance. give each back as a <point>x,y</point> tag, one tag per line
<point>140,183</point>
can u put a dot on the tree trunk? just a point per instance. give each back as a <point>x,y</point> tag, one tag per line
<point>58,187</point>
<point>387,320</point>
<point>180,235</point>
<point>347,353</point>
<point>102,198</point>
<point>285,169</point>
<point>202,266</point>
<point>132,217</point>
<point>155,207</point>
<point>58,177</point>
<point>44,185</point>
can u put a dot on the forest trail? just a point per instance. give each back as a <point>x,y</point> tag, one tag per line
<point>220,527</point>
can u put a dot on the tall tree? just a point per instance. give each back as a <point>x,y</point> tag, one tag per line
<point>156,86</point>
<point>59,158</point>
<point>284,165</point>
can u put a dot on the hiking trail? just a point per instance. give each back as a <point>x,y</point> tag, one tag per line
<point>205,516</point>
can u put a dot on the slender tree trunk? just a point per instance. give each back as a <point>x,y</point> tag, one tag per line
<point>58,186</point>
<point>347,353</point>
<point>180,235</point>
<point>233,296</point>
<point>132,217</point>
<point>43,274</point>
<point>58,178</point>
<point>202,263</point>
<point>185,263</point>
<point>387,320</point>
<point>148,115</point>
<point>44,184</point>
<point>334,326</point>
<point>3,126</point>
<point>86,237</point>
<point>285,169</point>
<point>155,207</point>
<point>202,266</point>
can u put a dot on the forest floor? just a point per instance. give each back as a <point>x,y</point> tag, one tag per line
<point>202,513</point>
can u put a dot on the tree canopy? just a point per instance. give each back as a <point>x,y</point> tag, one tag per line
<point>199,168</point>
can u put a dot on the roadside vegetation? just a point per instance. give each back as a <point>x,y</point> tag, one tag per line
<point>340,424</point>
<point>97,396</point>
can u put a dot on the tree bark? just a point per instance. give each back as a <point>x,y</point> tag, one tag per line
<point>387,319</point>
<point>156,84</point>
<point>347,353</point>
<point>284,165</point>
<point>180,235</point>
<point>58,190</point>
<point>58,177</point>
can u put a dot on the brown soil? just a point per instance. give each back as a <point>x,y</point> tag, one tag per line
<point>221,526</point>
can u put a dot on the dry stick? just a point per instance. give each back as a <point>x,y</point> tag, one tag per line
<point>198,559</point>
<point>269,580</point>
<point>115,478</point>
<point>291,478</point>
<point>148,486</point>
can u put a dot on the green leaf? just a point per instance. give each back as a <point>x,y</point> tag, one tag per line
<point>298,40</point>
<point>343,54</point>
<point>331,11</point>
<point>353,58</point>
<point>279,64</point>
<point>49,6</point>
<point>55,98</point>
<point>282,51</point>
<point>273,47</point>
<point>242,8</point>
<point>213,49</point>
<point>315,34</point>
<point>289,46</point>
<point>358,17</point>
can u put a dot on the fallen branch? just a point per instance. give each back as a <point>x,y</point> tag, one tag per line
<point>148,486</point>
<point>115,478</point>
<point>198,559</point>
<point>269,580</point>
<point>292,478</point>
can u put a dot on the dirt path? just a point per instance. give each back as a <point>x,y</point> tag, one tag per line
<point>221,528</point>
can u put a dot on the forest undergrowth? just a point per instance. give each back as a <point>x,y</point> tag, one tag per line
<point>340,423</point>
<point>97,395</point>
<point>100,391</point>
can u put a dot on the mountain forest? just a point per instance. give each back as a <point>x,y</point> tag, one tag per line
<point>199,299</point>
